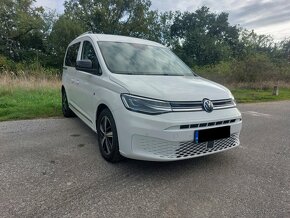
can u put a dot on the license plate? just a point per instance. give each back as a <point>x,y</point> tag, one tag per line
<point>206,135</point>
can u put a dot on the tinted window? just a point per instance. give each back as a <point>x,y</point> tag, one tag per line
<point>71,55</point>
<point>89,53</point>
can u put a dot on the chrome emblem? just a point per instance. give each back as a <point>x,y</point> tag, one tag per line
<point>207,105</point>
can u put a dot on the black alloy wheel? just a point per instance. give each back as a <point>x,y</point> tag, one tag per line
<point>107,136</point>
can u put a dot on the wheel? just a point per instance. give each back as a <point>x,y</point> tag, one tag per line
<point>107,136</point>
<point>67,112</point>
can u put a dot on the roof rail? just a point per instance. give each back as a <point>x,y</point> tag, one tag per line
<point>88,32</point>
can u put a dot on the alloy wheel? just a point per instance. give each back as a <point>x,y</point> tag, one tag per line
<point>106,135</point>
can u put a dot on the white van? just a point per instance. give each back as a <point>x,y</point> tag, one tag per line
<point>144,102</point>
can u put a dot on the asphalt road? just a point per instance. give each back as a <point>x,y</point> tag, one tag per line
<point>53,168</point>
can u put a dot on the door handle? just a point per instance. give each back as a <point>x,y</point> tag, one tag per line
<point>77,82</point>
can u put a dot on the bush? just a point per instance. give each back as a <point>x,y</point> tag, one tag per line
<point>256,69</point>
<point>6,64</point>
<point>33,68</point>
<point>218,72</point>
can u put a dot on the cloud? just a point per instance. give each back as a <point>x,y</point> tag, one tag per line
<point>270,17</point>
<point>259,13</point>
<point>51,5</point>
<point>264,16</point>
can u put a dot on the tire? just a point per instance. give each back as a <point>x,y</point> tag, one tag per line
<point>67,112</point>
<point>108,137</point>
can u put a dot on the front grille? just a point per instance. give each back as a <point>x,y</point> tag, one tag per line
<point>197,105</point>
<point>174,150</point>
<point>189,149</point>
<point>191,126</point>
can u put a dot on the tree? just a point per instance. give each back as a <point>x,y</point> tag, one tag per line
<point>20,29</point>
<point>63,32</point>
<point>122,17</point>
<point>286,49</point>
<point>165,21</point>
<point>30,34</point>
<point>203,37</point>
<point>254,42</point>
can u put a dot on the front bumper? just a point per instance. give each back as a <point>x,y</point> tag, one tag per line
<point>160,137</point>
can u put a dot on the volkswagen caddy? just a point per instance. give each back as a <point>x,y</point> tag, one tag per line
<point>144,102</point>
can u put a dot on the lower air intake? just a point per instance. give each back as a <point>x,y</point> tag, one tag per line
<point>180,150</point>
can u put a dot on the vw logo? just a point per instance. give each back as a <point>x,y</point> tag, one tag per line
<point>207,105</point>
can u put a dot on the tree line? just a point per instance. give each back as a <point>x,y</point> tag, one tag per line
<point>30,34</point>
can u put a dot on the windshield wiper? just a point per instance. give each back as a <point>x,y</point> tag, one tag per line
<point>150,74</point>
<point>167,74</point>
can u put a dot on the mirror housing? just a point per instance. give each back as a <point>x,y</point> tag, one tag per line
<point>84,64</point>
<point>87,66</point>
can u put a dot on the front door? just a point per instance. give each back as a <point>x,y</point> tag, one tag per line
<point>89,82</point>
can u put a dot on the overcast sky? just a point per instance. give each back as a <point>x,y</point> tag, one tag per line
<point>264,16</point>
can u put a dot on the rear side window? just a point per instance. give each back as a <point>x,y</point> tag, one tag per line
<point>71,55</point>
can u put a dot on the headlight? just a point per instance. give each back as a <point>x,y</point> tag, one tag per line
<point>145,105</point>
<point>233,98</point>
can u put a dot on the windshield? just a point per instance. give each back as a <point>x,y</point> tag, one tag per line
<point>139,59</point>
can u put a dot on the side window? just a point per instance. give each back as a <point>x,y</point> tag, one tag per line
<point>71,55</point>
<point>88,52</point>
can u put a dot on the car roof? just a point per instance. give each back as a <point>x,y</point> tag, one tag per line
<point>118,38</point>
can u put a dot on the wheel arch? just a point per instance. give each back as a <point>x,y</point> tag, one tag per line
<point>62,90</point>
<point>100,108</point>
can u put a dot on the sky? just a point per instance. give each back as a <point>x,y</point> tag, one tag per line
<point>264,16</point>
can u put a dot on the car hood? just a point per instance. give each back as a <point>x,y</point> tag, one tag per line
<point>172,88</point>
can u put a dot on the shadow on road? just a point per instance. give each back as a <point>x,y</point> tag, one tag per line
<point>150,168</point>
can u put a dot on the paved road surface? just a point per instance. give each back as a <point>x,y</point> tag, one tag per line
<point>52,167</point>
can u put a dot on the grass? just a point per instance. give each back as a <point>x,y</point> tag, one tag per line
<point>22,98</point>
<point>260,95</point>
<point>28,98</point>
<point>26,104</point>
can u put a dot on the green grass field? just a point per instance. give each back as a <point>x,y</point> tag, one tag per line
<point>21,103</point>
<point>256,95</point>
<point>40,102</point>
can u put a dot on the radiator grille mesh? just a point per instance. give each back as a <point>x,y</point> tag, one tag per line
<point>168,149</point>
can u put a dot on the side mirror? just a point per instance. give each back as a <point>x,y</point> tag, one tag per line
<point>87,66</point>
<point>84,65</point>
